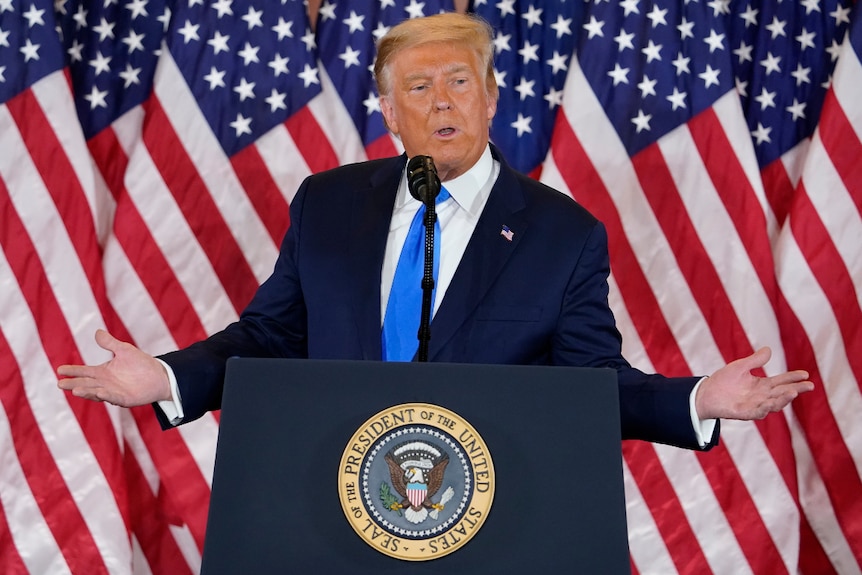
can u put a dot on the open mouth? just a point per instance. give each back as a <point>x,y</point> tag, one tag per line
<point>446,131</point>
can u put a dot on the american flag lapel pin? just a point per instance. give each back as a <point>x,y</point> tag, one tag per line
<point>507,233</point>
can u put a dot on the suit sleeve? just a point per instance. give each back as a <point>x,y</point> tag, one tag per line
<point>653,408</point>
<point>272,325</point>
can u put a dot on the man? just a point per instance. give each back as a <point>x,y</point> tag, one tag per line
<point>543,283</point>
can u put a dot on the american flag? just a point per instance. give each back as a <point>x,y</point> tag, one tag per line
<point>149,150</point>
<point>691,130</point>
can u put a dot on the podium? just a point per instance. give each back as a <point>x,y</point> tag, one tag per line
<point>553,434</point>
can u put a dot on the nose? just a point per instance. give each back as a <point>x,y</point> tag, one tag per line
<point>442,100</point>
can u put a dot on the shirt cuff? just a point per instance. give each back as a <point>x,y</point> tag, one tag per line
<point>703,428</point>
<point>173,408</point>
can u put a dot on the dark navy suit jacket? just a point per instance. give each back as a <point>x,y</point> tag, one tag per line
<point>540,298</point>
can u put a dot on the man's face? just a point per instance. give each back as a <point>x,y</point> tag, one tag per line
<point>439,105</point>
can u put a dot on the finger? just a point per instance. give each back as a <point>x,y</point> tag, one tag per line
<point>88,371</point>
<point>790,377</point>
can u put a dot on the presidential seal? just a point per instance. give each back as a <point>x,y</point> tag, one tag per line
<point>416,481</point>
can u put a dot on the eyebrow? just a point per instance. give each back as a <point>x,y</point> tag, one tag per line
<point>454,68</point>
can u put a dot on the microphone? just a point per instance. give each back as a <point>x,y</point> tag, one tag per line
<point>422,180</point>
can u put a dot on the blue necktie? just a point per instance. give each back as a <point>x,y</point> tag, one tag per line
<point>401,324</point>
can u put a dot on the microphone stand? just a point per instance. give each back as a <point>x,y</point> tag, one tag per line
<point>424,334</point>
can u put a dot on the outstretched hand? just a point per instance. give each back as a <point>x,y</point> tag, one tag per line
<point>733,392</point>
<point>130,378</point>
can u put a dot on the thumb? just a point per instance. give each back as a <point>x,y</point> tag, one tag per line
<point>106,341</point>
<point>757,359</point>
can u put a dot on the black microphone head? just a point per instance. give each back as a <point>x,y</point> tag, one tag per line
<point>422,180</point>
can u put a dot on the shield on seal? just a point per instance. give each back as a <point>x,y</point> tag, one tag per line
<point>416,493</point>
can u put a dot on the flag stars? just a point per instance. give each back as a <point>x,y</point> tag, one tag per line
<point>841,15</point>
<point>249,54</point>
<point>30,50</point>
<point>96,98</point>
<point>771,63</point>
<point>533,16</point>
<point>554,98</point>
<point>189,32</point>
<point>657,16</point>
<point>641,121</point>
<point>594,28</point>
<point>326,11</point>
<point>522,124</point>
<point>525,88</point>
<point>797,109</point>
<point>354,22</point>
<point>241,125</point>
<point>34,16</point>
<point>350,57</point>
<point>776,27</point>
<point>135,41</point>
<point>219,42</point>
<point>6,6</point>
<point>223,8</point>
<point>647,87</point>
<point>309,40</point>
<point>743,53</point>
<point>500,78</point>
<point>766,99</point>
<point>681,64</point>
<point>253,18</point>
<point>529,52</point>
<point>709,76</point>
<point>761,134</point>
<point>130,75</point>
<point>652,52</point>
<point>279,65</point>
<point>309,76</point>
<point>501,42</point>
<point>215,78</point>
<point>811,6</point>
<point>750,16</point>
<point>276,101</point>
<point>245,90</point>
<point>562,26</point>
<point>105,30</point>
<point>415,9</point>
<point>685,29</point>
<point>714,41</point>
<point>4,38</point>
<point>137,8</point>
<point>2,73</point>
<point>557,63</point>
<point>806,40</point>
<point>506,7</point>
<point>630,7</point>
<point>801,74</point>
<point>75,50</point>
<point>101,63</point>
<point>283,29</point>
<point>677,99</point>
<point>380,31</point>
<point>624,40</point>
<point>371,103</point>
<point>619,74</point>
<point>834,50</point>
<point>80,17</point>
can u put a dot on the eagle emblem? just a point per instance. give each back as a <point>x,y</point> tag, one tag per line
<point>416,469</point>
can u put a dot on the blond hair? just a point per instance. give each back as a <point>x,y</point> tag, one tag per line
<point>452,27</point>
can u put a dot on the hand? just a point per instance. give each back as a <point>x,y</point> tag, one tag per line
<point>733,392</point>
<point>131,378</point>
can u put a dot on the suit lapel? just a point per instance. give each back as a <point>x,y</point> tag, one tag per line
<point>371,213</point>
<point>487,252</point>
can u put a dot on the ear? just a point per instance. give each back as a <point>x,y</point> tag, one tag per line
<point>389,115</point>
<point>491,108</point>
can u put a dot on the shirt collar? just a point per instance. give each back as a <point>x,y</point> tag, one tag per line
<point>466,189</point>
